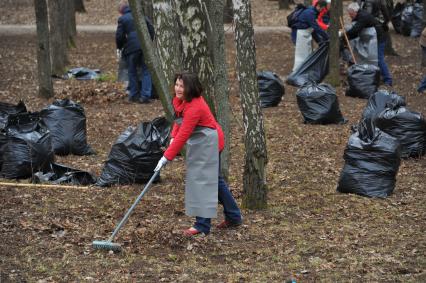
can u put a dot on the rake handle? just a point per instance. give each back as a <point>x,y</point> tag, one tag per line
<point>347,39</point>
<point>124,220</point>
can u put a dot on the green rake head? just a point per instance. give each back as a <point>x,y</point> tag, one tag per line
<point>106,245</point>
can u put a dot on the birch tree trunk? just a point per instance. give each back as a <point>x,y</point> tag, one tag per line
<point>220,77</point>
<point>336,11</point>
<point>151,59</point>
<point>43,54</point>
<point>254,185</point>
<point>196,58</point>
<point>169,45</point>
<point>57,43</point>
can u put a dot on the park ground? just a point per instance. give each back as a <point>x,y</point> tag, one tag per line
<point>308,232</point>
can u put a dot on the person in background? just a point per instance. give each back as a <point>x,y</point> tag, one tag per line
<point>323,19</point>
<point>362,19</point>
<point>127,41</point>
<point>307,27</point>
<point>196,127</point>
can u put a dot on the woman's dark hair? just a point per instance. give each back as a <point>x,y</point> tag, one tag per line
<point>191,83</point>
<point>321,3</point>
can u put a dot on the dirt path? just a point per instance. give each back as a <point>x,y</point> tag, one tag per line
<point>28,29</point>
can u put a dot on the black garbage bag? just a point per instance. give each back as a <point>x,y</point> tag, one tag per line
<point>28,146</point>
<point>417,24</point>
<point>135,154</point>
<point>422,85</point>
<point>407,126</point>
<point>372,160</point>
<point>319,104</point>
<point>271,89</point>
<point>82,74</point>
<point>60,174</point>
<point>396,16</point>
<point>313,69</point>
<point>407,19</point>
<point>363,80</point>
<point>7,109</point>
<point>379,101</point>
<point>67,124</point>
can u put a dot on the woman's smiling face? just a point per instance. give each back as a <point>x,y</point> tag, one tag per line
<point>179,89</point>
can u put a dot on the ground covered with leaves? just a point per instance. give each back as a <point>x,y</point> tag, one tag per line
<point>309,231</point>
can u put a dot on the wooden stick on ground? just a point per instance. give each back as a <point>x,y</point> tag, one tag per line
<point>346,38</point>
<point>30,185</point>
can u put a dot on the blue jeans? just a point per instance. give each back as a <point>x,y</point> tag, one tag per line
<point>230,208</point>
<point>135,60</point>
<point>387,79</point>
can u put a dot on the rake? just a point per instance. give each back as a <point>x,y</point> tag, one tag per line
<point>109,244</point>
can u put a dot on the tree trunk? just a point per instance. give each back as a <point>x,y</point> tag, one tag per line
<point>79,6</point>
<point>220,77</point>
<point>284,4</point>
<point>334,53</point>
<point>228,13</point>
<point>169,46</point>
<point>254,179</point>
<point>71,25</point>
<point>151,59</point>
<point>56,36</point>
<point>43,54</point>
<point>147,6</point>
<point>196,57</point>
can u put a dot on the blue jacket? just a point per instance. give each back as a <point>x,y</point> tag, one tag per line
<point>308,19</point>
<point>126,37</point>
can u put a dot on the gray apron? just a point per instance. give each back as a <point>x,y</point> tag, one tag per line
<point>202,173</point>
<point>303,46</point>
<point>365,47</point>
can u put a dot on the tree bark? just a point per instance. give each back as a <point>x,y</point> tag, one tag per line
<point>254,185</point>
<point>147,6</point>
<point>71,25</point>
<point>334,52</point>
<point>196,57</point>
<point>43,51</point>
<point>228,13</point>
<point>79,6</point>
<point>57,40</point>
<point>284,4</point>
<point>151,59</point>
<point>424,13</point>
<point>220,77</point>
<point>169,46</point>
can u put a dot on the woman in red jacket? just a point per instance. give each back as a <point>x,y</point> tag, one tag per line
<point>196,127</point>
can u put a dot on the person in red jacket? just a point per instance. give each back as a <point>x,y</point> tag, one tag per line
<point>323,16</point>
<point>196,127</point>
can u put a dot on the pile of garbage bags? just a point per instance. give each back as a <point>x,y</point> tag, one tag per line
<point>363,80</point>
<point>135,154</point>
<point>313,69</point>
<point>407,19</point>
<point>319,104</point>
<point>82,74</point>
<point>271,89</point>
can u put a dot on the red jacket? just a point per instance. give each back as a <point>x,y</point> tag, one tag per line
<point>194,113</point>
<point>320,19</point>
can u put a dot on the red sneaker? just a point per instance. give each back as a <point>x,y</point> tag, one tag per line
<point>191,232</point>
<point>228,224</point>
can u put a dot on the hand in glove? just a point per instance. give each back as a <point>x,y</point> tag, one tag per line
<point>163,161</point>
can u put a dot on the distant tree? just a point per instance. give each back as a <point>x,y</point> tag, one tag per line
<point>79,6</point>
<point>254,179</point>
<point>168,42</point>
<point>193,19</point>
<point>220,75</point>
<point>284,4</point>
<point>43,51</point>
<point>151,58</point>
<point>58,37</point>
<point>336,12</point>
<point>228,13</point>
